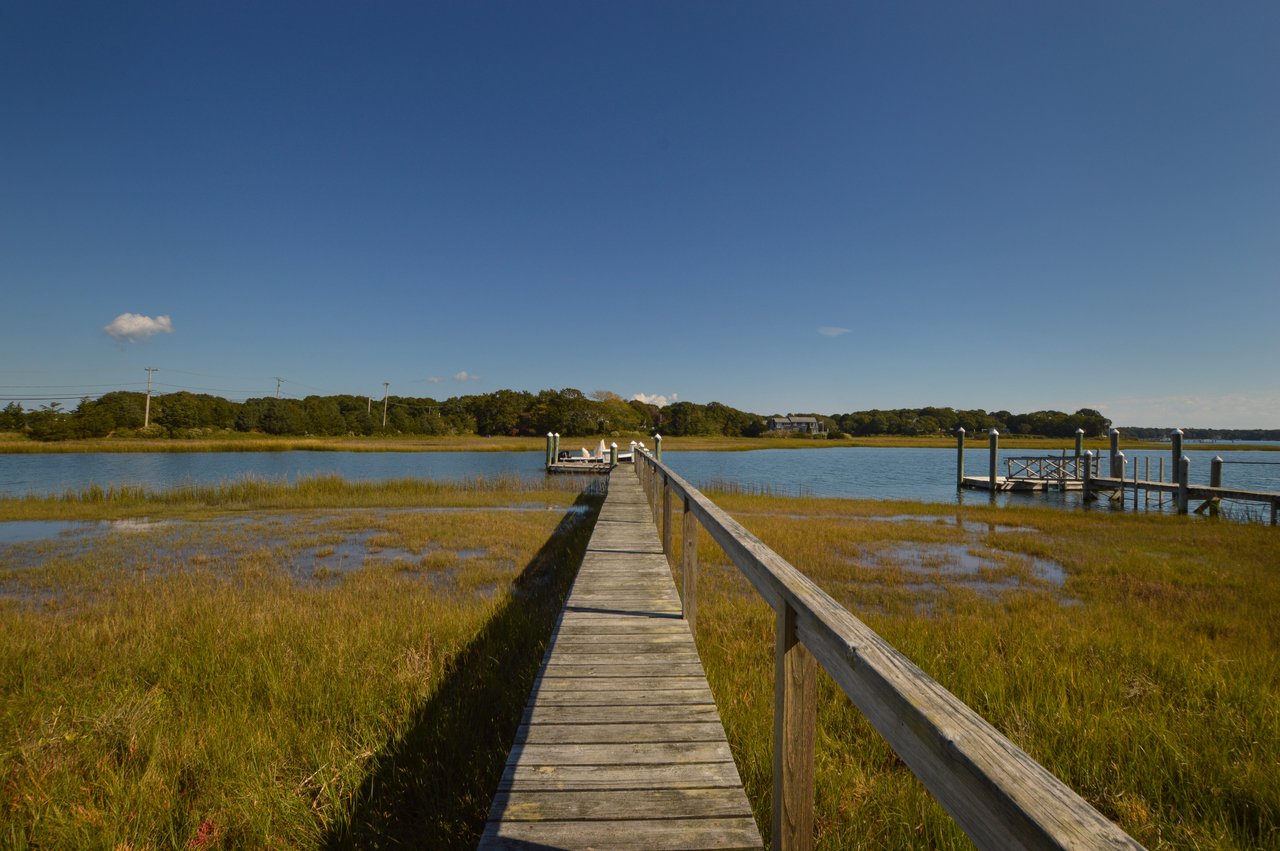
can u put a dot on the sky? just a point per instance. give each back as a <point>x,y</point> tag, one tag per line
<point>783,207</point>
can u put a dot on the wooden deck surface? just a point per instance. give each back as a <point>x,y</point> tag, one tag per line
<point>621,745</point>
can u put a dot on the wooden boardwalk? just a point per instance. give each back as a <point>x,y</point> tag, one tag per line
<point>621,745</point>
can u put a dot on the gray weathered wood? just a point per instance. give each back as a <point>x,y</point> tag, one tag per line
<point>689,572</point>
<point>998,794</point>
<point>621,745</point>
<point>795,718</point>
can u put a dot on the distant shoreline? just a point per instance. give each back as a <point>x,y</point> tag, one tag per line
<point>16,444</point>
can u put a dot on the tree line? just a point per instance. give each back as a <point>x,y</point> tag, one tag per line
<point>569,412</point>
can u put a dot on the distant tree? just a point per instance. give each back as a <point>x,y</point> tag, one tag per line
<point>51,422</point>
<point>13,417</point>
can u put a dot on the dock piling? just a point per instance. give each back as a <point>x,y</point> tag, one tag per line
<point>1115,450</point>
<point>960,457</point>
<point>1088,476</point>
<point>1183,475</point>
<point>993,438</point>
<point>1079,442</point>
<point>657,447</point>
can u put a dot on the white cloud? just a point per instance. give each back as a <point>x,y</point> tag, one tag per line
<point>435,379</point>
<point>832,331</point>
<point>132,327</point>
<point>655,399</point>
<point>465,376</point>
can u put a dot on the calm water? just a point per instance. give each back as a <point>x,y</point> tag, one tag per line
<point>860,472</point>
<point>44,474</point>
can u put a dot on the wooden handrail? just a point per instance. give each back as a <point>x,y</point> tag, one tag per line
<point>999,795</point>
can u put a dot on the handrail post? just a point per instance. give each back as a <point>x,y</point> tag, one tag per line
<point>666,522</point>
<point>795,719</point>
<point>689,557</point>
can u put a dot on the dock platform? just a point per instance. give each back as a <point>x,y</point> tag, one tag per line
<point>1018,483</point>
<point>621,745</point>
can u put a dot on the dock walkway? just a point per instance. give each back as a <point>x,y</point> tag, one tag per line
<point>621,745</point>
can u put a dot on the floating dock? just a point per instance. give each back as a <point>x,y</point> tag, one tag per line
<point>1018,483</point>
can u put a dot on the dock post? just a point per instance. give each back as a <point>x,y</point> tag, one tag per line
<point>613,454</point>
<point>551,457</point>
<point>1184,473</point>
<point>1117,471</point>
<point>657,447</point>
<point>1088,476</point>
<point>1115,449</point>
<point>555,448</point>
<point>1215,481</point>
<point>1079,442</point>
<point>959,457</point>
<point>993,438</point>
<point>1175,441</point>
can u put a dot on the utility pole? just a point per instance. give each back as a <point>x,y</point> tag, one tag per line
<point>368,409</point>
<point>146,416</point>
<point>278,381</point>
<point>386,385</point>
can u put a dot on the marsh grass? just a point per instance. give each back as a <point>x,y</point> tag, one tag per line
<point>316,492</point>
<point>1148,680</point>
<point>181,686</point>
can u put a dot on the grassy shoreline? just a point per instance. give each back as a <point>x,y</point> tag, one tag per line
<point>1136,657</point>
<point>17,444</point>
<point>185,687</point>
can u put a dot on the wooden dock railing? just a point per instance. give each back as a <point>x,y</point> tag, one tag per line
<point>999,795</point>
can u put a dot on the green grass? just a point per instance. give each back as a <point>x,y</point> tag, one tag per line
<point>189,686</point>
<point>253,494</point>
<point>1149,681</point>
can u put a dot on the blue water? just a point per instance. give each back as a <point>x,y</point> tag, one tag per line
<point>860,472</point>
<point>56,473</point>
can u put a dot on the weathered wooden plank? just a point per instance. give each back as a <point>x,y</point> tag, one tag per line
<point>667,697</point>
<point>627,804</point>
<point>550,682</point>
<point>649,669</point>
<point>580,656</point>
<point>621,753</point>
<point>652,776</point>
<point>621,745</point>
<point>599,734</point>
<point>599,714</point>
<point>643,835</point>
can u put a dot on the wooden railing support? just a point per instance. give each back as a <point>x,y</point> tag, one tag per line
<point>795,721</point>
<point>689,575</point>
<point>667,548</point>
<point>996,792</point>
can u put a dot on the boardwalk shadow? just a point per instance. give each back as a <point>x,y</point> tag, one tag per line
<point>432,788</point>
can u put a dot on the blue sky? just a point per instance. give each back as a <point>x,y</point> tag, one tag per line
<point>783,207</point>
